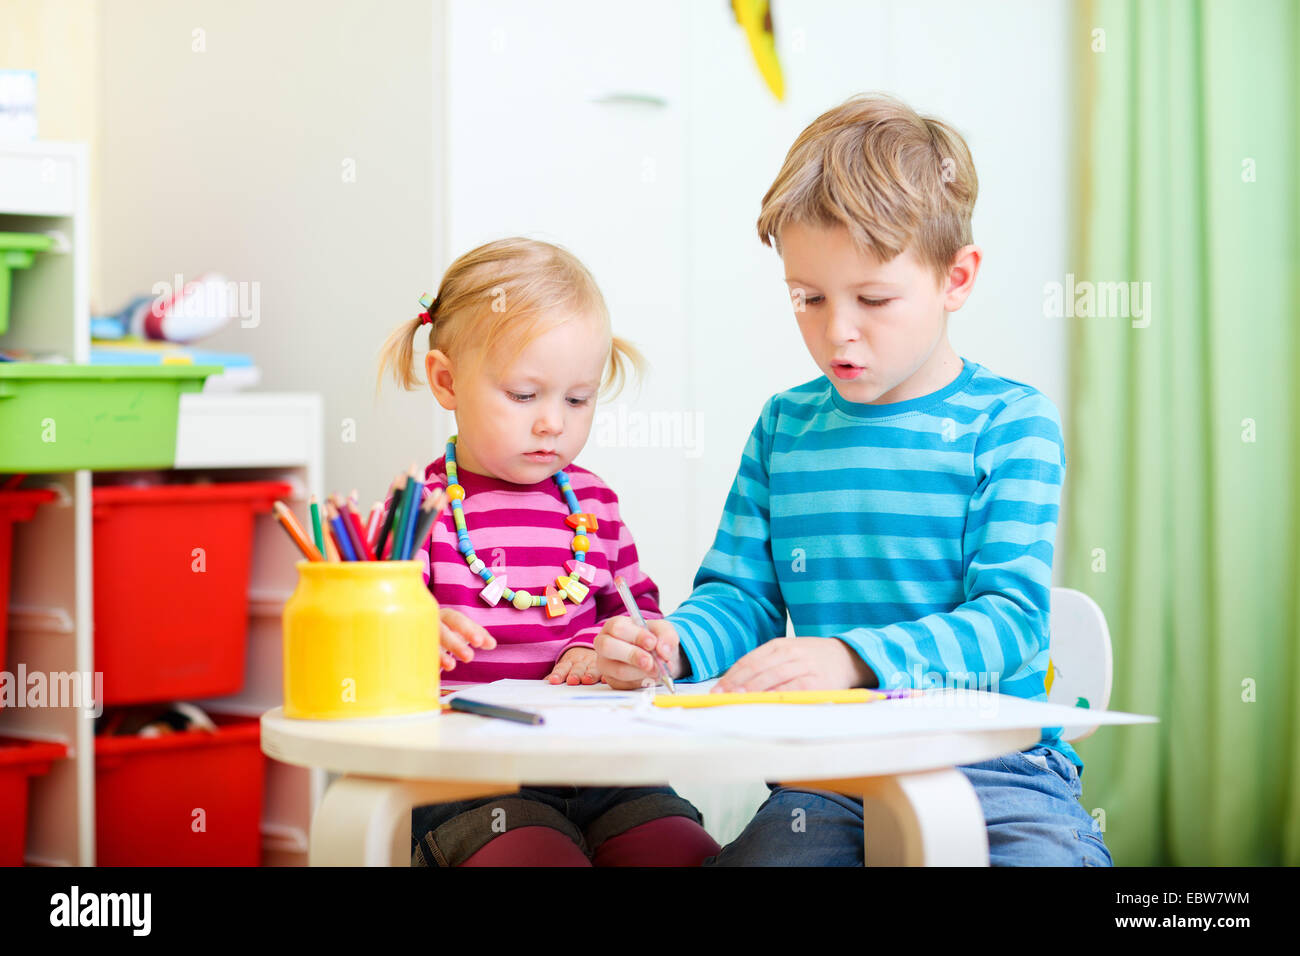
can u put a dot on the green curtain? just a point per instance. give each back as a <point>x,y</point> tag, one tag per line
<point>1183,443</point>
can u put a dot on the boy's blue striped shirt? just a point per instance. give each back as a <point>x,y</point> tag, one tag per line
<point>921,533</point>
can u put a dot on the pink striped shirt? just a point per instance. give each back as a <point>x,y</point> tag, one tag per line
<point>519,530</point>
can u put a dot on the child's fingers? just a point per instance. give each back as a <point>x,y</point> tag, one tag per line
<point>621,651</point>
<point>769,678</point>
<point>456,645</point>
<point>745,671</point>
<point>622,672</point>
<point>584,666</point>
<point>468,630</point>
<point>803,682</point>
<point>560,672</point>
<point>447,661</point>
<point>591,673</point>
<point>624,629</point>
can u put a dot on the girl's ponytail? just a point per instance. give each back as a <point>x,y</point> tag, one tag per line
<point>398,351</point>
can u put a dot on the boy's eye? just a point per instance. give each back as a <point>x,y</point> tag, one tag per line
<point>874,302</point>
<point>520,396</point>
<point>578,402</point>
<point>810,299</point>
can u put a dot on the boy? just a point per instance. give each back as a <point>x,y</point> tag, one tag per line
<point>901,508</point>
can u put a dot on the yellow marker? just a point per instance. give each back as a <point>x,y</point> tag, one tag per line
<point>856,695</point>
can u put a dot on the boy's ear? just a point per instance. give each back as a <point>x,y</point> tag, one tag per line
<point>438,370</point>
<point>961,277</point>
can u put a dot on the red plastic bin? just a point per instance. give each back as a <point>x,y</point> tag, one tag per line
<point>163,630</point>
<point>20,760</point>
<point>192,798</point>
<point>15,506</point>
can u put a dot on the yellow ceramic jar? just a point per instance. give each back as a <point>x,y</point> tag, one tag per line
<point>360,640</point>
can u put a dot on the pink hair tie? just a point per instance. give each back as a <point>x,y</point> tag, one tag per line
<point>424,317</point>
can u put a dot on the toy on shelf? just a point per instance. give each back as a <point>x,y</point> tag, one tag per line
<point>193,312</point>
<point>158,329</point>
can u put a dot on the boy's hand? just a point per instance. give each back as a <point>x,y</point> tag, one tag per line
<point>624,652</point>
<point>797,663</point>
<point>577,665</point>
<point>459,636</point>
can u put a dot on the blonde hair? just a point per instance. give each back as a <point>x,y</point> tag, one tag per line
<point>894,178</point>
<point>495,297</point>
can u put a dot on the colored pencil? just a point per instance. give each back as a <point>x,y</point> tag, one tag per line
<point>315,525</point>
<point>341,537</point>
<point>290,524</point>
<point>413,516</point>
<point>402,524</point>
<point>372,524</point>
<point>355,530</point>
<point>493,710</point>
<point>350,526</point>
<point>394,500</point>
<point>429,512</point>
<point>331,549</point>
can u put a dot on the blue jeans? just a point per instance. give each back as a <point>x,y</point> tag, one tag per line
<point>1030,801</point>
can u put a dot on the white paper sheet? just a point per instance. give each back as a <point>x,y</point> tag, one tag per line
<point>935,712</point>
<point>599,710</point>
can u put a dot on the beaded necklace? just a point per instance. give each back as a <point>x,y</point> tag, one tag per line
<point>574,585</point>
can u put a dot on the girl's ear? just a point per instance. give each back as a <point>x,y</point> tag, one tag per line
<point>438,370</point>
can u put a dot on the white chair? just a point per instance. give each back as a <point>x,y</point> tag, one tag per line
<point>1079,669</point>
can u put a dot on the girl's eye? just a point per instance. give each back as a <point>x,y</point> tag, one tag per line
<point>875,302</point>
<point>519,397</point>
<point>578,402</point>
<point>811,300</point>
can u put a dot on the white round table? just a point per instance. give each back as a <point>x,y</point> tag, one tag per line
<point>918,809</point>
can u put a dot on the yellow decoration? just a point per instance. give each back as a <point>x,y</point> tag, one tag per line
<point>576,590</point>
<point>755,18</point>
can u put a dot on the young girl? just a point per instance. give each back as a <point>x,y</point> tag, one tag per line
<point>519,348</point>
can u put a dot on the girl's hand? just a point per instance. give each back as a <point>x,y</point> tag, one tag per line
<point>459,636</point>
<point>624,652</point>
<point>577,665</point>
<point>797,663</point>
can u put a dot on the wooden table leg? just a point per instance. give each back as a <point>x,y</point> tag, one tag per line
<point>366,821</point>
<point>917,819</point>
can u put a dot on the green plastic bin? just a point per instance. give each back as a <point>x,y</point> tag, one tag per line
<point>102,417</point>
<point>17,250</point>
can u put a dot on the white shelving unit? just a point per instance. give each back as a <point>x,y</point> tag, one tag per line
<point>224,436</point>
